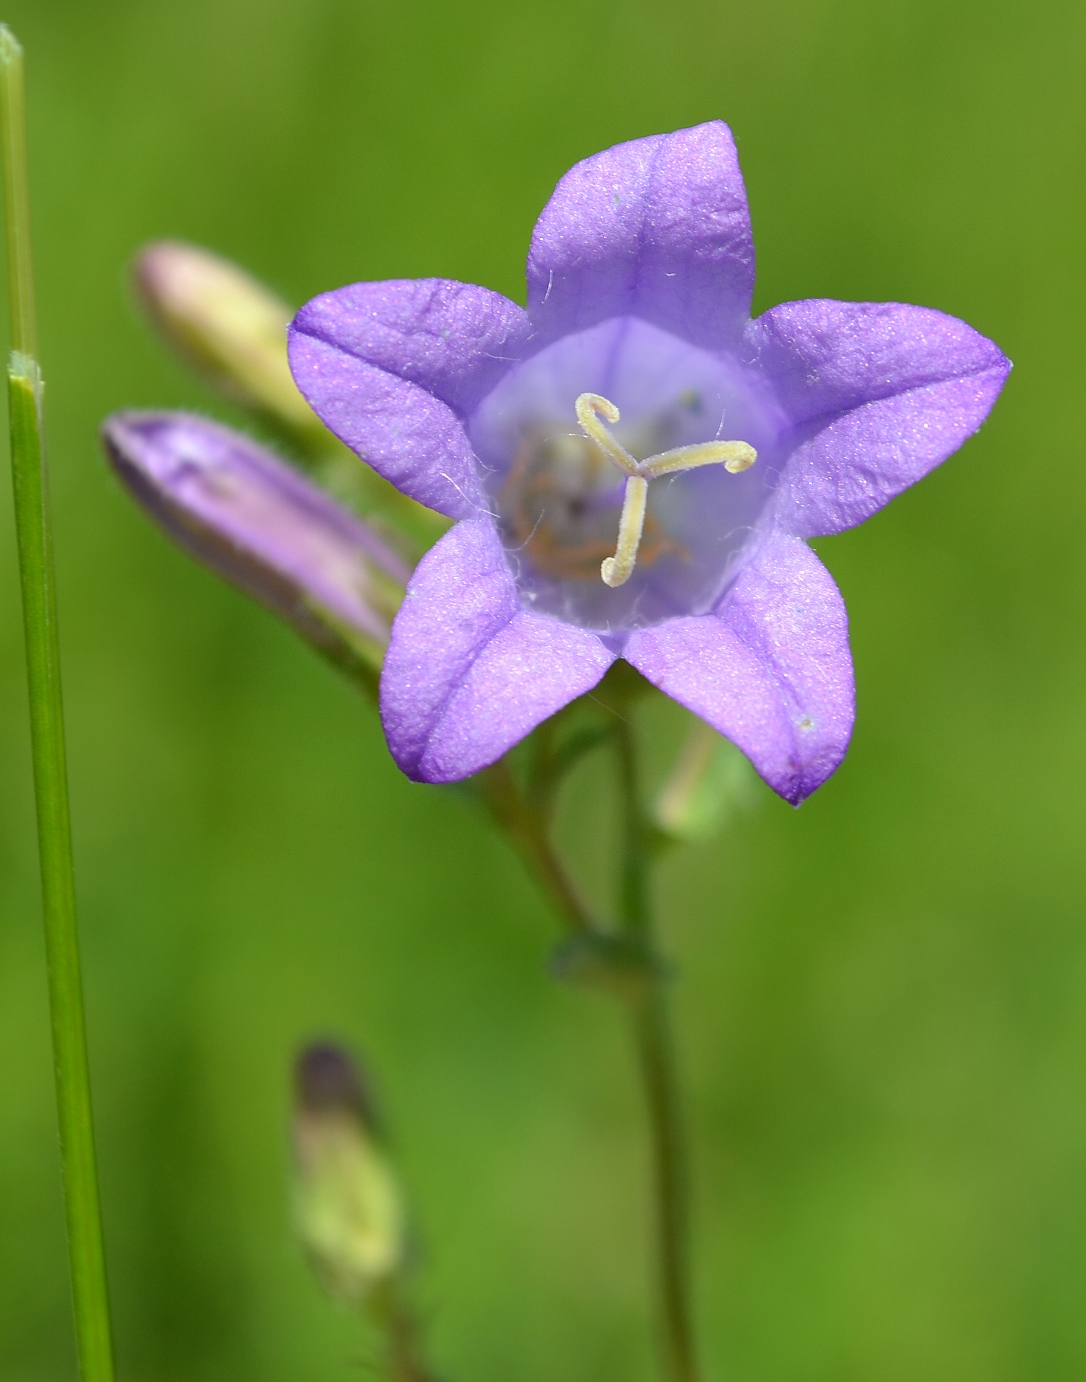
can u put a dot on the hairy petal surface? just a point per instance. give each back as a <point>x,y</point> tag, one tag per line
<point>391,368</point>
<point>880,394</point>
<point>656,228</point>
<point>770,669</point>
<point>468,672</point>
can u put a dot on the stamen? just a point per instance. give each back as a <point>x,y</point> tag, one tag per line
<point>618,569</point>
<point>735,456</point>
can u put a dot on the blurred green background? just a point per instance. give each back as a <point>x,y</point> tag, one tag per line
<point>883,998</point>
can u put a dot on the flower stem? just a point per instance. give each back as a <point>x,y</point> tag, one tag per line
<point>656,1061</point>
<point>528,829</point>
<point>656,1058</point>
<point>47,743</point>
<point>405,1362</point>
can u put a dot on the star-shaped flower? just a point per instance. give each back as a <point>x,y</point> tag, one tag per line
<point>635,465</point>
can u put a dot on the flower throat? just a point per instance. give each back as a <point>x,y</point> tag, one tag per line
<point>559,501</point>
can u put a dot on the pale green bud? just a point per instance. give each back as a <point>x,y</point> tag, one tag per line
<point>233,330</point>
<point>710,780</point>
<point>348,1210</point>
<point>227,325</point>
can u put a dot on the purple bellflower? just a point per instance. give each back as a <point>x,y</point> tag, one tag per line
<point>635,465</point>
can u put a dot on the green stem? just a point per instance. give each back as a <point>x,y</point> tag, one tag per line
<point>657,1064</point>
<point>24,334</point>
<point>47,743</point>
<point>634,902</point>
<point>396,1320</point>
<point>527,827</point>
<point>656,1060</point>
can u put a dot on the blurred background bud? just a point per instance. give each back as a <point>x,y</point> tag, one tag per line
<point>347,1206</point>
<point>232,330</point>
<point>711,779</point>
<point>226,324</point>
<point>247,515</point>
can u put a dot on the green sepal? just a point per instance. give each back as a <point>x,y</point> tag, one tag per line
<point>599,959</point>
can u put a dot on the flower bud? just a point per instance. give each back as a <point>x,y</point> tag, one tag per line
<point>710,779</point>
<point>227,325</point>
<point>251,518</point>
<point>347,1207</point>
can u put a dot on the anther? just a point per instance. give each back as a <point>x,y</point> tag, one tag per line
<point>734,456</point>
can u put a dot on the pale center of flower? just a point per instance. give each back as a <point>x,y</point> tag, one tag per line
<point>734,456</point>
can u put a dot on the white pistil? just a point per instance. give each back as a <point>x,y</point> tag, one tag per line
<point>588,405</point>
<point>735,456</point>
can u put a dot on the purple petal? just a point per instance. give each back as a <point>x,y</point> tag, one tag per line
<point>468,672</point>
<point>882,392</point>
<point>391,368</point>
<point>657,228</point>
<point>770,669</point>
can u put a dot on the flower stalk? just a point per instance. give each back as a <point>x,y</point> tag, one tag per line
<point>624,962</point>
<point>656,1062</point>
<point>527,828</point>
<point>651,1025</point>
<point>36,569</point>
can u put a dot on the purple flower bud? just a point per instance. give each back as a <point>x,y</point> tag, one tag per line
<point>252,519</point>
<point>227,325</point>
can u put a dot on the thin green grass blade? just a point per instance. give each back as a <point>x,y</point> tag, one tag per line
<point>32,523</point>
